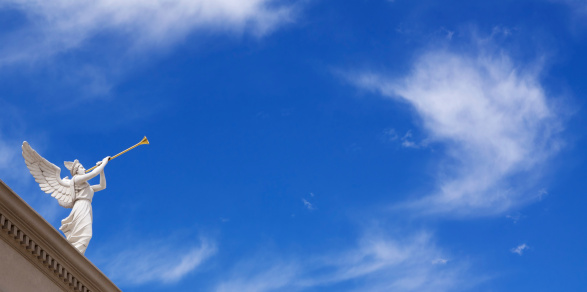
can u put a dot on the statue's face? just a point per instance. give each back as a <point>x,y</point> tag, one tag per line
<point>81,169</point>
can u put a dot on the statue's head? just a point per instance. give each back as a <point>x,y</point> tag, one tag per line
<point>81,169</point>
<point>75,167</point>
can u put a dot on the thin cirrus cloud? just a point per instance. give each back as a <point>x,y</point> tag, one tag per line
<point>376,264</point>
<point>578,6</point>
<point>53,27</point>
<point>12,129</point>
<point>308,205</point>
<point>519,249</point>
<point>156,262</point>
<point>493,118</point>
<point>8,156</point>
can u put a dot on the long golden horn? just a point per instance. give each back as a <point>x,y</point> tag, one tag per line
<point>144,141</point>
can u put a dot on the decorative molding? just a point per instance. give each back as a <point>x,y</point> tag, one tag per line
<point>44,258</point>
<point>40,243</point>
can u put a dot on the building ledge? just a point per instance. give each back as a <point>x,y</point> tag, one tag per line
<point>25,231</point>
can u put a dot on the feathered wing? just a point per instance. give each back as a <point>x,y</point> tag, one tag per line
<point>47,175</point>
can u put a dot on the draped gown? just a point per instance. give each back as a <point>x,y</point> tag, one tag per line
<point>77,227</point>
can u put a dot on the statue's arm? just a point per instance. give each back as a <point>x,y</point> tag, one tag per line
<point>102,184</point>
<point>93,173</point>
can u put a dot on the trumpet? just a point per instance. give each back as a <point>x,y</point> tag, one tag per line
<point>143,142</point>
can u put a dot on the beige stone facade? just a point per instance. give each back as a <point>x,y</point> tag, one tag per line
<point>34,256</point>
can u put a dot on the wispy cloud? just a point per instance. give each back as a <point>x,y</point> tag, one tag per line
<point>440,261</point>
<point>54,27</point>
<point>390,134</point>
<point>12,130</point>
<point>376,264</point>
<point>519,249</point>
<point>307,204</point>
<point>492,115</point>
<point>9,155</point>
<point>156,262</point>
<point>577,6</point>
<point>514,217</point>
<point>407,140</point>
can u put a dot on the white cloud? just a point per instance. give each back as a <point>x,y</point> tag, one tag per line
<point>519,249</point>
<point>494,119</point>
<point>376,264</point>
<point>57,26</point>
<point>408,141</point>
<point>156,262</point>
<point>440,261</point>
<point>307,204</point>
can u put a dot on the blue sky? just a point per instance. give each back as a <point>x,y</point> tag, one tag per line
<point>310,145</point>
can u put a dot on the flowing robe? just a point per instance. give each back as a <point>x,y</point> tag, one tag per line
<point>77,227</point>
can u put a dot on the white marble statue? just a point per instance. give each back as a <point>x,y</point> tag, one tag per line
<point>75,193</point>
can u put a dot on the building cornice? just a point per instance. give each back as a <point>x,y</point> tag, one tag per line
<point>40,243</point>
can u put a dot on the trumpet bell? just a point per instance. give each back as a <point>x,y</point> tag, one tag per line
<point>144,141</point>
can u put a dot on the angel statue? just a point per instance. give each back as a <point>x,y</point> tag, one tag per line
<point>75,193</point>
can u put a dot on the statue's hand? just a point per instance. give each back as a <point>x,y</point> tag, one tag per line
<point>105,161</point>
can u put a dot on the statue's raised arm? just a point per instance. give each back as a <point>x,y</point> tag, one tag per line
<point>47,175</point>
<point>87,176</point>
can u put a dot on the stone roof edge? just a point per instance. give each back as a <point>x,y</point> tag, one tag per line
<point>35,236</point>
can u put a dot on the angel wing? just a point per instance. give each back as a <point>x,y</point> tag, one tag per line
<point>47,175</point>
